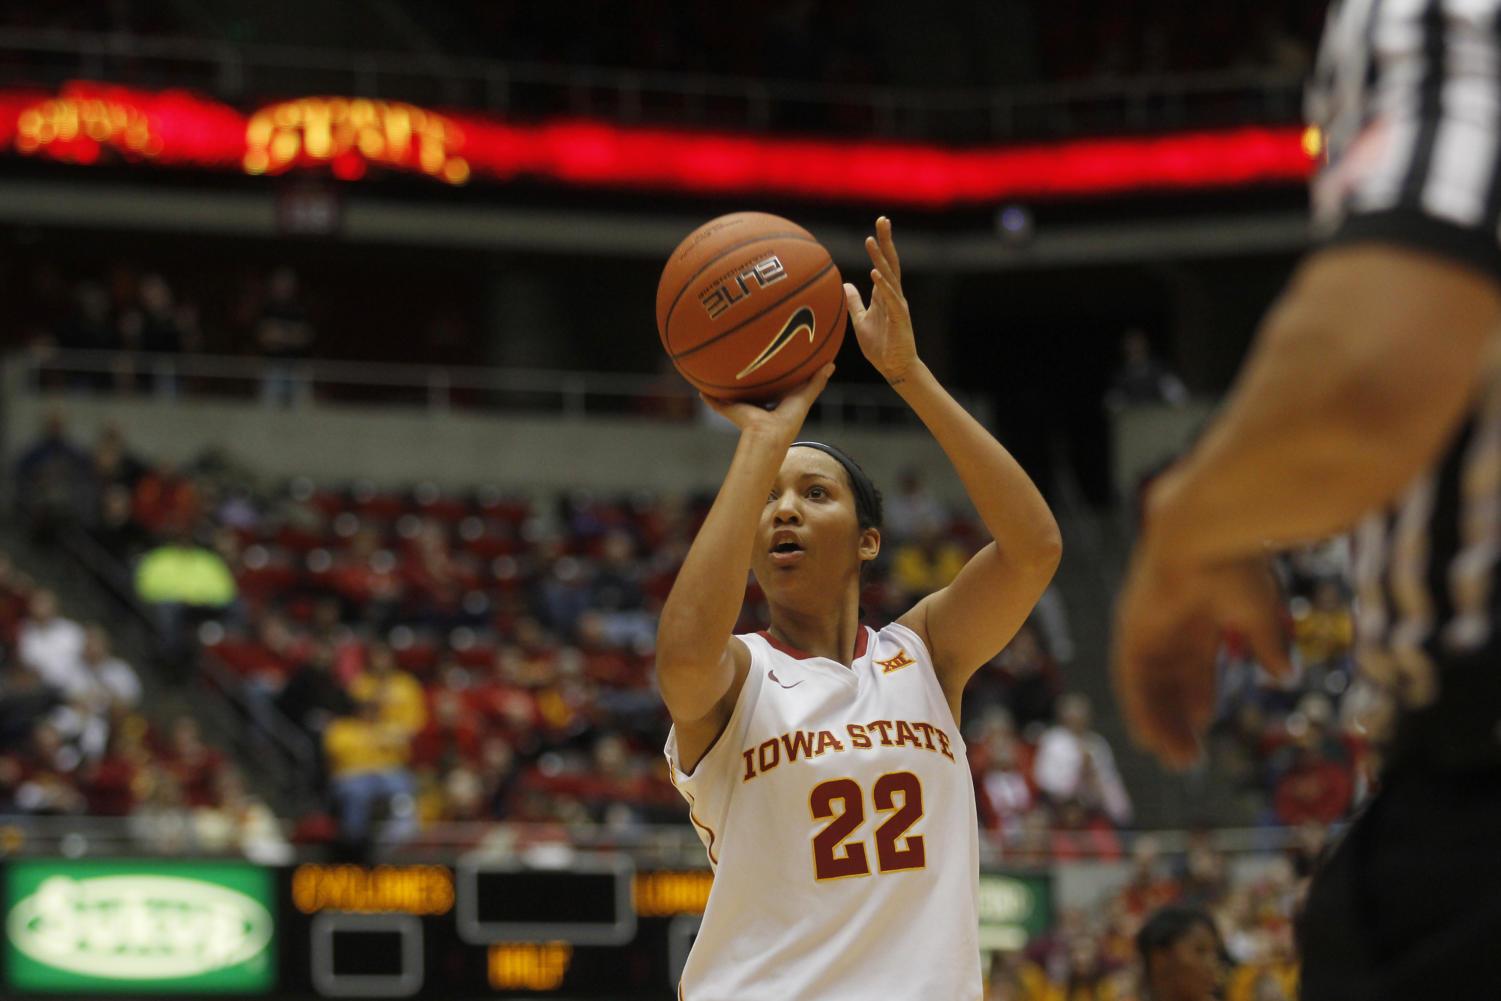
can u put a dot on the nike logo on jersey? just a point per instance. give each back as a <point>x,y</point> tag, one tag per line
<point>773,676</point>
<point>798,322</point>
<point>896,663</point>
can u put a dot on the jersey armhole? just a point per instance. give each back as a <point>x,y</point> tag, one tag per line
<point>930,674</point>
<point>674,760</point>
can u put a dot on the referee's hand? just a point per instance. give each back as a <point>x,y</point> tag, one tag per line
<point>1169,623</point>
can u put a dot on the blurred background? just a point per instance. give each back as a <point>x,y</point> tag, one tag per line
<point>347,474</point>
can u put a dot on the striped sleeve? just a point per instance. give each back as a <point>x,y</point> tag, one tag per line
<point>1414,129</point>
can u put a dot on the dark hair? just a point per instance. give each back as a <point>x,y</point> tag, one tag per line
<point>867,497</point>
<point>1167,927</point>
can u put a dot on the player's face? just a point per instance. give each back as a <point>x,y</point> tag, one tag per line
<point>1190,968</point>
<point>808,541</point>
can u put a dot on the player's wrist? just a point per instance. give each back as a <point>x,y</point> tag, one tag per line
<point>905,375</point>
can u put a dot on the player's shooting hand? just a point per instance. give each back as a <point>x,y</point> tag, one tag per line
<point>1169,622</point>
<point>779,423</point>
<point>884,330</point>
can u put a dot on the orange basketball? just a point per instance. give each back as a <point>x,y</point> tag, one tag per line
<point>750,305</point>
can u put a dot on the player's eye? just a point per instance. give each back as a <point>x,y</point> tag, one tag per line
<point>817,492</point>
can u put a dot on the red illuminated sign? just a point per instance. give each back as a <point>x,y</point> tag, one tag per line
<point>347,136</point>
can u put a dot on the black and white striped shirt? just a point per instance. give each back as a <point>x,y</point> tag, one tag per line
<point>1408,94</point>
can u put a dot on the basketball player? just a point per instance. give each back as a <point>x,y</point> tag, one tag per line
<point>1373,387</point>
<point>1181,955</point>
<point>820,758</point>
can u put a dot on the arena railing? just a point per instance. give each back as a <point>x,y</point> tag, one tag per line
<point>237,71</point>
<point>559,392</point>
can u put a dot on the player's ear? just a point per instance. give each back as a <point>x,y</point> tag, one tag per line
<point>870,544</point>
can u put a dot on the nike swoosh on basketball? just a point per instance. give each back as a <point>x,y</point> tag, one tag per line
<point>799,321</point>
<point>773,676</point>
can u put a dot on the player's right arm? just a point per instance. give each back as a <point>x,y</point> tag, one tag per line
<point>700,663</point>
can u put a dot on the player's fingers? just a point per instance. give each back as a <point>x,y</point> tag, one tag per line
<point>855,303</point>
<point>876,254</point>
<point>1268,641</point>
<point>1165,684</point>
<point>805,394</point>
<point>888,250</point>
<point>1261,621</point>
<point>720,407</point>
<point>882,289</point>
<point>1168,724</point>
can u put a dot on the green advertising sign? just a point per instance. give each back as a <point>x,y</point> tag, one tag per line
<point>139,927</point>
<point>1014,907</point>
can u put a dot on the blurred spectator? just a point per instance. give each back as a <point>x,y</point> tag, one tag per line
<point>46,775</point>
<point>52,645</point>
<point>1181,955</point>
<point>367,764</point>
<point>312,695</point>
<point>152,326</point>
<point>284,338</point>
<point>1051,617</point>
<point>1323,628</point>
<point>192,763</point>
<point>87,326</point>
<point>1075,765</point>
<point>23,701</point>
<point>165,499</point>
<point>106,683</point>
<point>913,512</point>
<point>616,595</point>
<point>1142,379</point>
<point>183,582</point>
<point>52,480</point>
<point>1002,766</point>
<point>1149,887</point>
<point>1026,678</point>
<point>397,695</point>
<point>1315,783</point>
<point>926,563</point>
<point>239,821</point>
<point>162,821</point>
<point>1205,873</point>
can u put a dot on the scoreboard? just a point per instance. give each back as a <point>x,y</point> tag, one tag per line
<point>588,926</point>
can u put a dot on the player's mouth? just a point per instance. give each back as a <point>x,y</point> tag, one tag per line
<point>786,551</point>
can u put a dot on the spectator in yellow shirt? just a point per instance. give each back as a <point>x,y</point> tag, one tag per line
<point>1324,629</point>
<point>398,695</point>
<point>367,760</point>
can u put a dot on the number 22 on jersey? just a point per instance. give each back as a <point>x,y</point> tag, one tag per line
<point>835,857</point>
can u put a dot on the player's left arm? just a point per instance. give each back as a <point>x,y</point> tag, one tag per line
<point>968,622</point>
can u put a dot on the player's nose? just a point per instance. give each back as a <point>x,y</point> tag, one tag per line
<point>785,510</point>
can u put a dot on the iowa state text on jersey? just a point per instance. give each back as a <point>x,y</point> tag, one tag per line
<point>803,744</point>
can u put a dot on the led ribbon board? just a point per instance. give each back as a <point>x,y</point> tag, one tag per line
<point>88,123</point>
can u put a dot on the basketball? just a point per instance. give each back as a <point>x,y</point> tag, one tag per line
<point>750,305</point>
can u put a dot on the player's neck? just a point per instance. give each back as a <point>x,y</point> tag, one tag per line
<point>821,634</point>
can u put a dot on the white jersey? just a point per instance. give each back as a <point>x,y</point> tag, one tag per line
<point>839,816</point>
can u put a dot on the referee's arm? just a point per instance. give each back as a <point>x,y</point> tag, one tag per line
<point>1359,376</point>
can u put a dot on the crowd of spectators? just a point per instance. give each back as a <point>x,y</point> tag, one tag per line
<point>124,307</point>
<point>75,739</point>
<point>488,656</point>
<point>1091,955</point>
<point>1298,750</point>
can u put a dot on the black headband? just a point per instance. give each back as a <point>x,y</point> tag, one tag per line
<point>867,500</point>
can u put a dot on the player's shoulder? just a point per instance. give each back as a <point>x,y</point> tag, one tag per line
<point>895,641</point>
